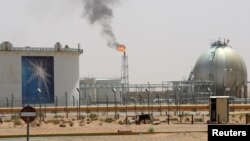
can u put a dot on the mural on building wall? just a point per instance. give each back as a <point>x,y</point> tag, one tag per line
<point>37,79</point>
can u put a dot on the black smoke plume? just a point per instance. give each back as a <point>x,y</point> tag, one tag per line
<point>100,12</point>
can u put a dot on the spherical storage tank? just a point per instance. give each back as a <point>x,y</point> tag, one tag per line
<point>222,64</point>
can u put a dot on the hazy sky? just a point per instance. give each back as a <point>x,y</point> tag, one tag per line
<point>164,38</point>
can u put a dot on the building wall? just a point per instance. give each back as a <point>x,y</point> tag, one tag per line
<point>99,90</point>
<point>10,75</point>
<point>66,74</point>
<point>102,93</point>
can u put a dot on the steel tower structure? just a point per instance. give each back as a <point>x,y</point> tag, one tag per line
<point>124,71</point>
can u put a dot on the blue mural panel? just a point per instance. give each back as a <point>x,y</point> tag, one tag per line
<point>37,79</point>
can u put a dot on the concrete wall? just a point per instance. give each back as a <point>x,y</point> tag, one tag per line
<point>99,92</point>
<point>66,74</point>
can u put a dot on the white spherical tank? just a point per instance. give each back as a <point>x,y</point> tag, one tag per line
<point>222,64</point>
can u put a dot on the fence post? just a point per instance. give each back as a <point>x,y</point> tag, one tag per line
<point>56,106</point>
<point>218,118</point>
<point>126,120</point>
<point>77,109</point>
<point>66,104</point>
<point>168,118</point>
<point>12,104</point>
<point>7,102</point>
<point>247,118</point>
<point>45,110</point>
<point>180,118</point>
<point>203,118</point>
<point>192,119</point>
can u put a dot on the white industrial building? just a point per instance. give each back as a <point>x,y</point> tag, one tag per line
<point>99,90</point>
<point>29,72</point>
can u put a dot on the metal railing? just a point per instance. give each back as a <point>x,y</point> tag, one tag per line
<point>43,49</point>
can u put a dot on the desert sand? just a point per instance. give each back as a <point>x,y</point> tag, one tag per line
<point>102,128</point>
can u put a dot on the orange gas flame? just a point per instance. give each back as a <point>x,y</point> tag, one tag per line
<point>121,47</point>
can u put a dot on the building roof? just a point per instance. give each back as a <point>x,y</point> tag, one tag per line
<point>7,46</point>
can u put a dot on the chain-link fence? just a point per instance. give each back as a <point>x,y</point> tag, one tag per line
<point>111,107</point>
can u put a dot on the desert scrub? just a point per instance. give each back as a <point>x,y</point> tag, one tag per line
<point>198,120</point>
<point>109,120</point>
<point>17,122</point>
<point>187,119</point>
<point>54,121</point>
<point>120,122</point>
<point>93,117</point>
<point>82,117</point>
<point>14,117</point>
<point>151,129</point>
<point>71,123</point>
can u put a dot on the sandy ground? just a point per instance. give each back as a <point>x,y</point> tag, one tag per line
<point>140,137</point>
<point>175,131</point>
<point>105,128</point>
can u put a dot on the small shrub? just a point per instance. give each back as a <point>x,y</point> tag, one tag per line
<point>62,125</point>
<point>15,117</point>
<point>151,129</point>
<point>17,122</point>
<point>109,120</point>
<point>180,115</point>
<point>93,116</point>
<point>187,119</point>
<point>120,122</point>
<point>82,117</point>
<point>198,120</point>
<point>71,123</point>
